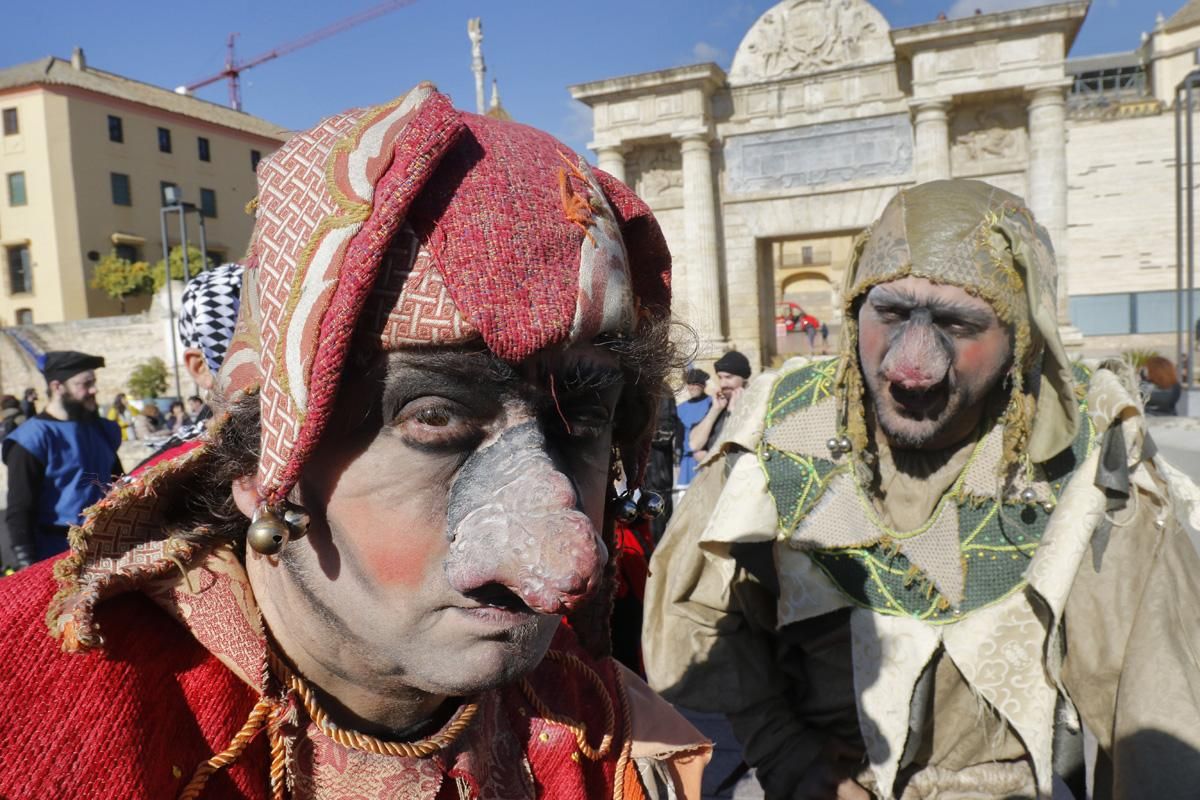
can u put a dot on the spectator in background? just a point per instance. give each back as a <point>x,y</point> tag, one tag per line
<point>660,470</point>
<point>120,413</point>
<point>197,409</point>
<point>29,403</point>
<point>690,412</point>
<point>150,422</point>
<point>60,461</point>
<point>10,414</point>
<point>178,417</point>
<point>809,324</point>
<point>1160,386</point>
<point>733,373</point>
<point>208,312</point>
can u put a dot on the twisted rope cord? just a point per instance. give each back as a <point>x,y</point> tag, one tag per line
<point>627,746</point>
<point>278,755</point>
<point>577,729</point>
<point>254,724</point>
<point>362,741</point>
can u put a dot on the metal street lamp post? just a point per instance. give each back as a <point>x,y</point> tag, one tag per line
<point>173,204</point>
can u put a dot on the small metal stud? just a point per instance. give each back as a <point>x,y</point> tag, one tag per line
<point>626,508</point>
<point>1028,495</point>
<point>834,445</point>
<point>651,505</point>
<point>845,445</point>
<point>267,534</point>
<point>297,520</point>
<point>1047,506</point>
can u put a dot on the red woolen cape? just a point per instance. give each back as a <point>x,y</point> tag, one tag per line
<point>130,721</point>
<point>135,718</point>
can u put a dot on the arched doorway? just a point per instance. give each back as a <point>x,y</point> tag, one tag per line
<point>806,274</point>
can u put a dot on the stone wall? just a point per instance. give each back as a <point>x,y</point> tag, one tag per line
<point>1121,218</point>
<point>124,341</point>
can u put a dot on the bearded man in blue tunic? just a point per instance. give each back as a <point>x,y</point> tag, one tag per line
<point>920,569</point>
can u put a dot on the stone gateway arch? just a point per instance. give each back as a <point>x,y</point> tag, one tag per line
<point>826,112</point>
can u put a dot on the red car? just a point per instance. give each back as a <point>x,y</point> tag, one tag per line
<point>794,319</point>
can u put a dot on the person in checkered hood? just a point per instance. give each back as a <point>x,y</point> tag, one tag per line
<point>386,570</point>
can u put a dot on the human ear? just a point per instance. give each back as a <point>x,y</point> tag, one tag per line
<point>197,367</point>
<point>245,495</point>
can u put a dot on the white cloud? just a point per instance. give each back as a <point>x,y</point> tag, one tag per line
<point>576,126</point>
<point>965,8</point>
<point>703,51</point>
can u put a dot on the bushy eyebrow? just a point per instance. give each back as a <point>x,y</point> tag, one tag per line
<point>460,365</point>
<point>483,373</point>
<point>905,299</point>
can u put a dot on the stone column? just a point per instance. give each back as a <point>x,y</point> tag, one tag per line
<point>700,233</point>
<point>931,131</point>
<point>611,159</point>
<point>1047,179</point>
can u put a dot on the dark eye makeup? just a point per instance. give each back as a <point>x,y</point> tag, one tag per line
<point>438,423</point>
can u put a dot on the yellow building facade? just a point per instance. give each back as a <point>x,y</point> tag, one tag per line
<point>85,156</point>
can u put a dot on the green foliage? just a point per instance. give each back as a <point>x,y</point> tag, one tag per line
<point>120,278</point>
<point>1136,357</point>
<point>196,265</point>
<point>148,379</point>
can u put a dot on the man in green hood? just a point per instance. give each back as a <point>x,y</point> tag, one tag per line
<point>920,569</point>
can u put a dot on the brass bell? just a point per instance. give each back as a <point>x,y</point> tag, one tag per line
<point>626,508</point>
<point>651,505</point>
<point>268,533</point>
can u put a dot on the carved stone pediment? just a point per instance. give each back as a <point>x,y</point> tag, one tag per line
<point>798,37</point>
<point>655,172</point>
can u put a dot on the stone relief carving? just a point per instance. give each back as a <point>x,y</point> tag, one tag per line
<point>985,136</point>
<point>804,36</point>
<point>656,173</point>
<point>818,155</point>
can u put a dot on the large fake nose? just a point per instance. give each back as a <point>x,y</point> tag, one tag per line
<point>514,520</point>
<point>917,361</point>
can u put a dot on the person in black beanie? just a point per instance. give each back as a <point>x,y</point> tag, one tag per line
<point>733,373</point>
<point>59,462</point>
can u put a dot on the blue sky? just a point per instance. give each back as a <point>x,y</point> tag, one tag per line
<point>535,49</point>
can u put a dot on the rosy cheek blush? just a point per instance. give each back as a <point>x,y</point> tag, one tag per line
<point>384,545</point>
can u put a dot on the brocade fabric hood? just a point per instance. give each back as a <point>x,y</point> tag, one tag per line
<point>983,239</point>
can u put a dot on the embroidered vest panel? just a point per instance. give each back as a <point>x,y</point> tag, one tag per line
<point>972,552</point>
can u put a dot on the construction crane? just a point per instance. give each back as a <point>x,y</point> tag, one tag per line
<point>234,68</point>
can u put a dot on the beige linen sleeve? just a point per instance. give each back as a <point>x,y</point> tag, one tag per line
<point>1132,662</point>
<point>709,636</point>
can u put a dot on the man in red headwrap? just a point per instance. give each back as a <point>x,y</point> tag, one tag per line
<point>386,572</point>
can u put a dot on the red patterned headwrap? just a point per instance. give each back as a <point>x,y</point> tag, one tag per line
<point>412,223</point>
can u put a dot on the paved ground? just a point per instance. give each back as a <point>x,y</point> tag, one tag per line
<point>1178,438</point>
